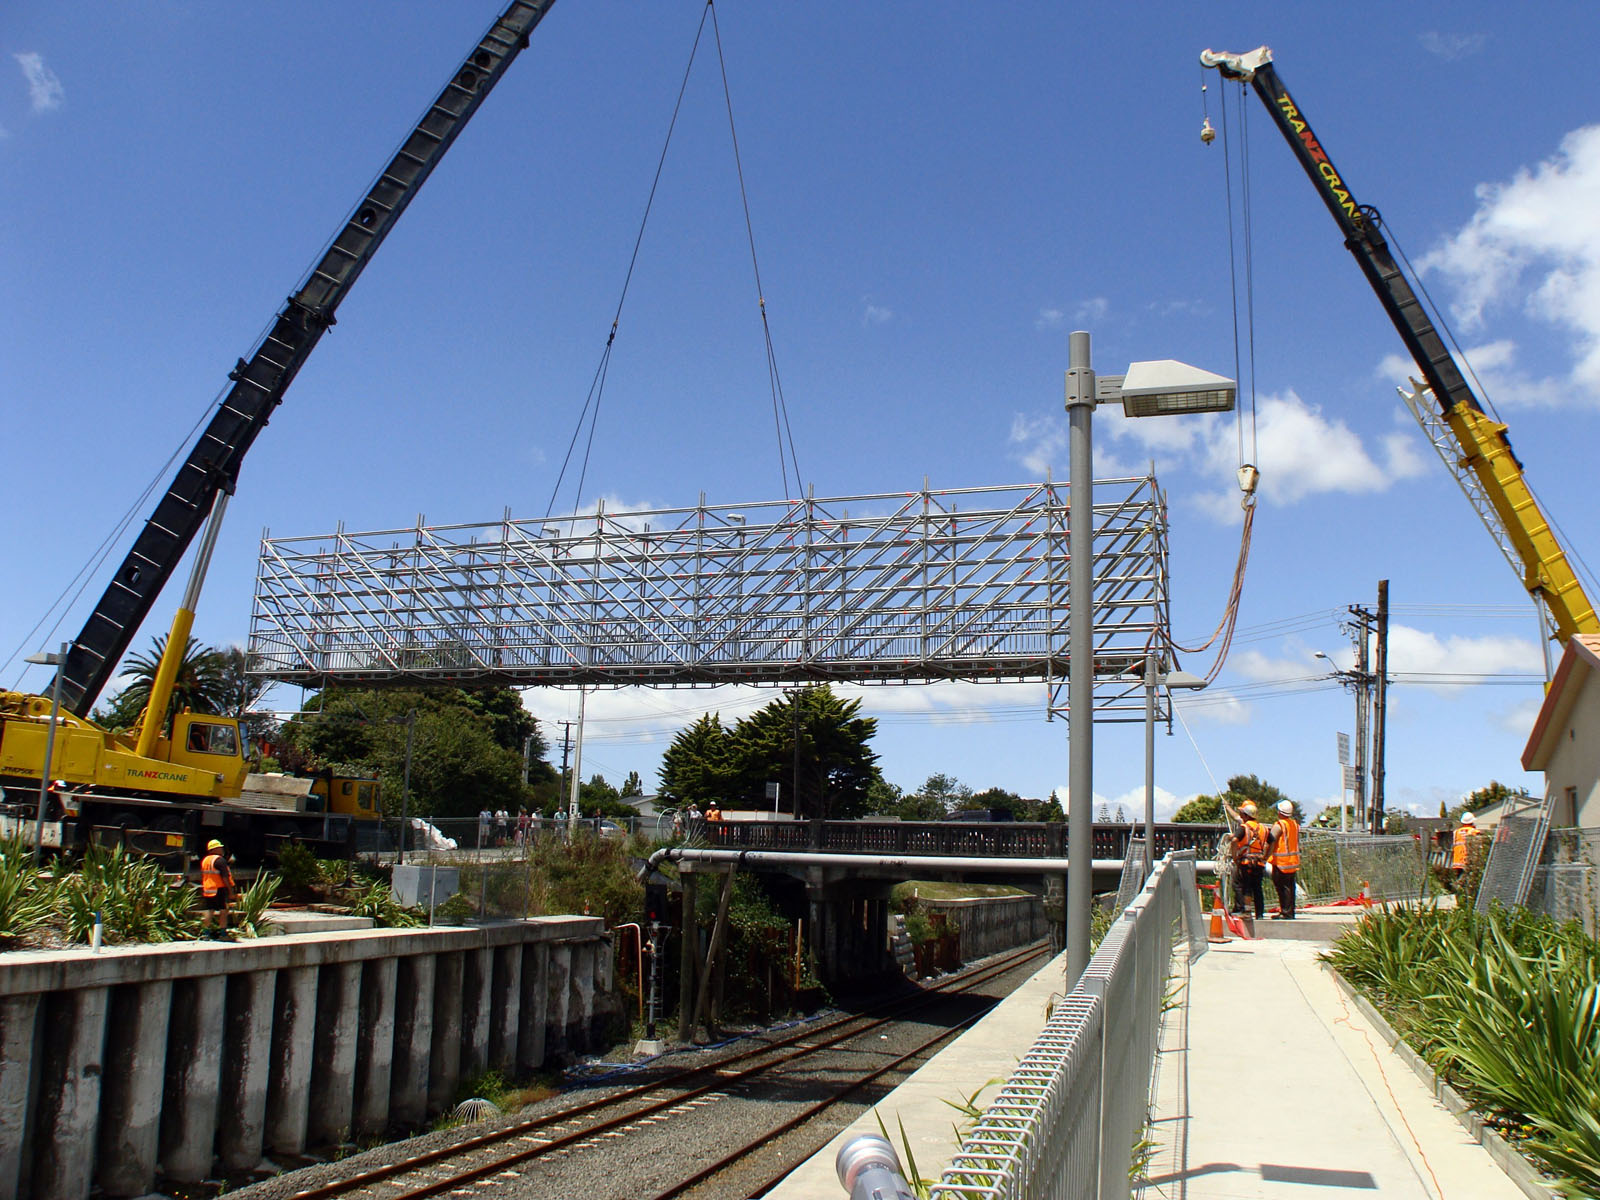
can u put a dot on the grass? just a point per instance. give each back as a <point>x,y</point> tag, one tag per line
<point>1506,1006</point>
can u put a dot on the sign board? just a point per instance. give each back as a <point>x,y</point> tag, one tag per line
<point>772,791</point>
<point>1349,778</point>
<point>1344,749</point>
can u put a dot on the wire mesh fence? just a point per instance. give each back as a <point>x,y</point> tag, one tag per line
<point>1338,866</point>
<point>1065,1122</point>
<point>1566,886</point>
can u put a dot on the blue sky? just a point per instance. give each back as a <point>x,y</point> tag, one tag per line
<point>939,195</point>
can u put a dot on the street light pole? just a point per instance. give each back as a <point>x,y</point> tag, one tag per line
<point>405,789</point>
<point>1080,397</point>
<point>59,662</point>
<point>1156,388</point>
<point>1152,680</point>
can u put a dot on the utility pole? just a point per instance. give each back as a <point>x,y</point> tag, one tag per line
<point>1380,705</point>
<point>566,748</point>
<point>1360,627</point>
<point>577,770</point>
<point>794,708</point>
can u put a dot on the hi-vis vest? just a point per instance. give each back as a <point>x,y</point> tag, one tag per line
<point>1286,852</point>
<point>212,880</point>
<point>1253,842</point>
<point>1460,844</point>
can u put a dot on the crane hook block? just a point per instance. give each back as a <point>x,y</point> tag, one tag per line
<point>1248,478</point>
<point>1208,132</point>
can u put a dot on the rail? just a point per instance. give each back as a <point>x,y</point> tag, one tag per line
<point>1066,1121</point>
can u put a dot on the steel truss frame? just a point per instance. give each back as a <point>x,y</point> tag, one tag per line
<point>963,583</point>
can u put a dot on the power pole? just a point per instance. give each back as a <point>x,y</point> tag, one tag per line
<point>794,707</point>
<point>566,748</point>
<point>1380,705</point>
<point>1360,626</point>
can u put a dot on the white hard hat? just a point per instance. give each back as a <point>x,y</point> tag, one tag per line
<point>1286,807</point>
<point>1249,806</point>
<point>1468,819</point>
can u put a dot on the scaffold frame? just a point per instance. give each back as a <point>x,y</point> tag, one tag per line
<point>896,587</point>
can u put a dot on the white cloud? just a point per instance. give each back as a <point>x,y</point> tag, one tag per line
<point>876,314</point>
<point>1039,444</point>
<point>1452,46</point>
<point>1415,651</point>
<point>1299,451</point>
<point>1093,309</point>
<point>1050,318</point>
<point>1132,803</point>
<point>1519,718</point>
<point>1544,221</point>
<point>1219,707</point>
<point>1259,667</point>
<point>44,88</point>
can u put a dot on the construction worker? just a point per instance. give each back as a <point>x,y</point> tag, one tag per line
<point>216,885</point>
<point>1283,855</point>
<point>713,811</point>
<point>1249,858</point>
<point>1461,848</point>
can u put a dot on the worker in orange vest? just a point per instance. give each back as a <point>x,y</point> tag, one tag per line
<point>1283,854</point>
<point>1249,858</point>
<point>1461,848</point>
<point>713,811</point>
<point>216,885</point>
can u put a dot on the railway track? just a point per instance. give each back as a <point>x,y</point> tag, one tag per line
<point>785,1083</point>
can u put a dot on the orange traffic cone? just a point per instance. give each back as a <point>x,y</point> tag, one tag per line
<point>1366,894</point>
<point>1218,932</point>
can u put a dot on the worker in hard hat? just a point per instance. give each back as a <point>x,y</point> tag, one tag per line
<point>216,886</point>
<point>1249,858</point>
<point>1283,857</point>
<point>1461,848</point>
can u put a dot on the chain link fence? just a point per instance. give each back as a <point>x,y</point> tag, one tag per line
<point>1566,885</point>
<point>1338,866</point>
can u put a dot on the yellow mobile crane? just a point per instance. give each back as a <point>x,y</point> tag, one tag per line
<point>1472,444</point>
<point>170,790</point>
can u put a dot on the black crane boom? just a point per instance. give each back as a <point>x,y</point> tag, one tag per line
<point>260,381</point>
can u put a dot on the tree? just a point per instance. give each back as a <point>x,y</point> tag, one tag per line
<point>1103,817</point>
<point>1120,817</point>
<point>1202,810</point>
<point>836,765</point>
<point>697,766</point>
<point>944,793</point>
<point>632,785</point>
<point>1494,793</point>
<point>200,684</point>
<point>998,800</point>
<point>459,762</point>
<point>810,733</point>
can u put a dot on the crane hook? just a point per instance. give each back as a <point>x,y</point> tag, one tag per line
<point>1208,133</point>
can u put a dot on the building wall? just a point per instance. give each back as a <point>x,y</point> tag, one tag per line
<point>1575,762</point>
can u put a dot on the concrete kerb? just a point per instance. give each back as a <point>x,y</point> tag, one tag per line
<point>1518,1169</point>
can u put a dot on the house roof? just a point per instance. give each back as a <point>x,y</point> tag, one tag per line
<point>1579,661</point>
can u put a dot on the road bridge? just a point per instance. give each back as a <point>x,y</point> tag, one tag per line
<point>836,876</point>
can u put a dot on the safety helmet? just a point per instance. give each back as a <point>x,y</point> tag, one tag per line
<point>1286,807</point>
<point>1468,819</point>
<point>1248,808</point>
<point>213,844</point>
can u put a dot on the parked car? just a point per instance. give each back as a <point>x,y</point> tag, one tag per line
<point>607,828</point>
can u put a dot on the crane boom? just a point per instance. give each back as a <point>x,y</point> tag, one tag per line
<point>260,381</point>
<point>1486,457</point>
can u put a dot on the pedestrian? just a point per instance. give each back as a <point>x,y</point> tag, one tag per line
<point>1461,848</point>
<point>216,886</point>
<point>1283,853</point>
<point>713,811</point>
<point>677,824</point>
<point>1249,858</point>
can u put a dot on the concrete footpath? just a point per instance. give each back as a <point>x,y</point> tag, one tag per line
<point>1271,1084</point>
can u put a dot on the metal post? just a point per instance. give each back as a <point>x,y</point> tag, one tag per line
<point>577,770</point>
<point>405,787</point>
<point>1380,705</point>
<point>1363,707</point>
<point>655,981</point>
<point>1149,764</point>
<point>49,750</point>
<point>1080,657</point>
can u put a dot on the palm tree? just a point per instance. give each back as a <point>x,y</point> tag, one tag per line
<point>200,685</point>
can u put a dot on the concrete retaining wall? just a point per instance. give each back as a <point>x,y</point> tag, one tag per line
<point>990,924</point>
<point>191,1060</point>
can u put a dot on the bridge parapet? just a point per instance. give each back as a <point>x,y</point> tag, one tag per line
<point>988,839</point>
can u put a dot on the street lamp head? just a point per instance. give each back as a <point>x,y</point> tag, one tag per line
<point>1165,387</point>
<point>736,519</point>
<point>1182,679</point>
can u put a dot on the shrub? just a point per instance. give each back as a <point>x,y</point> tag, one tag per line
<point>135,901</point>
<point>1507,1007</point>
<point>298,870</point>
<point>24,905</point>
